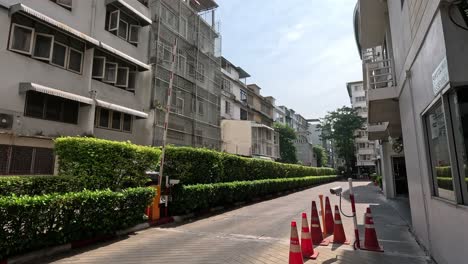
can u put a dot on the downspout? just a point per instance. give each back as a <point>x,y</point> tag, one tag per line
<point>92,93</point>
<point>408,78</point>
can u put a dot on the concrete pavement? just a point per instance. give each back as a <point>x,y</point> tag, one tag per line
<point>259,233</point>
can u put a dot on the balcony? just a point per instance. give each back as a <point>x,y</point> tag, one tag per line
<point>382,94</point>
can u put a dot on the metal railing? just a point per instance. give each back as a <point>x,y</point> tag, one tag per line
<point>380,74</point>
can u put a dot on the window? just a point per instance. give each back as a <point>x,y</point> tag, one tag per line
<point>75,59</point>
<point>227,107</point>
<point>43,44</point>
<point>46,44</point>
<point>123,29</point>
<point>439,152</point>
<point>21,39</point>
<point>181,62</point>
<point>59,55</point>
<point>201,72</point>
<point>132,81</point>
<point>44,106</point>
<point>67,4</point>
<point>201,108</point>
<point>123,25</point>
<point>99,65</point>
<point>243,96</point>
<point>18,160</point>
<point>134,36</point>
<point>113,120</point>
<point>243,114</point>
<point>360,99</point>
<point>179,105</point>
<point>183,26</point>
<point>122,77</point>
<point>168,18</point>
<point>226,85</point>
<point>110,74</point>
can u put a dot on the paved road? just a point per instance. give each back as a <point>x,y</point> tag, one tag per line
<point>258,233</point>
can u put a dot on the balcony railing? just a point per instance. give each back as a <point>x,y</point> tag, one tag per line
<point>380,74</point>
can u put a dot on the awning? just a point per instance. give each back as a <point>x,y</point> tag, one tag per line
<point>144,20</point>
<point>141,66</point>
<point>24,87</point>
<point>122,109</point>
<point>31,12</point>
<point>254,124</point>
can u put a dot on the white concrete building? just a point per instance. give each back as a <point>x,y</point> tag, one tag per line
<point>366,155</point>
<point>250,139</point>
<point>71,68</point>
<point>414,65</point>
<point>232,84</point>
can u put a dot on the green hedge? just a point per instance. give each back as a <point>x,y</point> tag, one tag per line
<point>445,171</point>
<point>32,222</point>
<point>38,185</point>
<point>203,196</point>
<point>203,166</point>
<point>109,164</point>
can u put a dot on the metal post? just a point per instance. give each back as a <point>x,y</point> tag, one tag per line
<point>353,207</point>
<point>166,119</point>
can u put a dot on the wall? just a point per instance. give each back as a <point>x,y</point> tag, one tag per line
<point>237,137</point>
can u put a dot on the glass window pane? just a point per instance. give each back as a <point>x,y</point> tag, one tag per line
<point>116,120</point>
<point>53,108</point>
<point>59,55</point>
<point>70,111</point>
<point>104,118</point>
<point>98,67</point>
<point>462,101</point>
<point>22,38</point>
<point>110,74</point>
<point>35,104</point>
<point>439,151</point>
<point>127,125</point>
<point>74,61</point>
<point>123,29</point>
<point>43,46</point>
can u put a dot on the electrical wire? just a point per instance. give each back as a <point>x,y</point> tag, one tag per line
<point>342,210</point>
<point>450,8</point>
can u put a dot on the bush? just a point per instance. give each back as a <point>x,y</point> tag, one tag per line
<point>37,185</point>
<point>108,164</point>
<point>32,222</point>
<point>196,165</point>
<point>444,171</point>
<point>203,196</point>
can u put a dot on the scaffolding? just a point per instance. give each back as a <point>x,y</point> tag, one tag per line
<point>195,107</point>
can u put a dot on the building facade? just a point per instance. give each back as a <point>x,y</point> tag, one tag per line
<point>414,65</point>
<point>366,151</point>
<point>195,107</point>
<point>232,106</point>
<point>71,68</point>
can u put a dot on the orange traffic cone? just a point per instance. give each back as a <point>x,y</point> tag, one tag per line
<point>306,241</point>
<point>295,254</point>
<point>370,239</point>
<point>339,236</point>
<point>328,217</point>
<point>315,228</point>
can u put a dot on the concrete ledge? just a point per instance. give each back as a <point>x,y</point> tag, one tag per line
<point>29,257</point>
<point>132,229</point>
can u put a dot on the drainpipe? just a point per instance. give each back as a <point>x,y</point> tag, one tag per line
<point>428,228</point>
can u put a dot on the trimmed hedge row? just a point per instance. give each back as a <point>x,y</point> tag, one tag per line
<point>32,222</point>
<point>445,171</point>
<point>115,164</point>
<point>38,185</point>
<point>192,198</point>
<point>204,166</point>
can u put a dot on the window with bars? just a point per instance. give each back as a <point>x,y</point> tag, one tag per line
<point>49,107</point>
<point>24,160</point>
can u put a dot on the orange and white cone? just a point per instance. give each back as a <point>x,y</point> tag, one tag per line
<point>306,241</point>
<point>339,236</point>
<point>370,239</point>
<point>295,254</point>
<point>315,228</point>
<point>328,217</point>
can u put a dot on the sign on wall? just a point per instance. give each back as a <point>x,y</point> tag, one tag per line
<point>440,76</point>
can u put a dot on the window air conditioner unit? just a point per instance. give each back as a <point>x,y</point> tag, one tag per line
<point>6,121</point>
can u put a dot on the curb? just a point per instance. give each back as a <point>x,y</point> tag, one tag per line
<point>55,250</point>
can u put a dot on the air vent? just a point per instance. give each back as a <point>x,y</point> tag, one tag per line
<point>6,121</point>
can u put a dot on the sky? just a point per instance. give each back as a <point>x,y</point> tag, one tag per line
<point>302,52</point>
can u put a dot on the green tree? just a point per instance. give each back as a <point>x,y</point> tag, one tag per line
<point>321,155</point>
<point>286,137</point>
<point>339,126</point>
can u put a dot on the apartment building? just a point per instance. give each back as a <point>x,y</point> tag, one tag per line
<point>71,68</point>
<point>366,155</point>
<point>233,82</point>
<point>414,67</point>
<point>195,107</point>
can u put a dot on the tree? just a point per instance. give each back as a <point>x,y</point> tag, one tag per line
<point>339,126</point>
<point>321,154</point>
<point>286,137</point>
